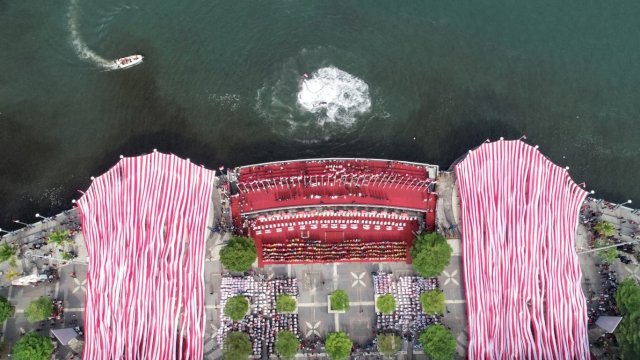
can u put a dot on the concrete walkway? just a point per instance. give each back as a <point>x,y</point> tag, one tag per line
<point>447,209</point>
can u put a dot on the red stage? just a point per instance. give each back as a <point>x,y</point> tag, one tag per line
<point>363,210</point>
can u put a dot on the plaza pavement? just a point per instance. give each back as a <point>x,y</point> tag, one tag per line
<point>317,281</point>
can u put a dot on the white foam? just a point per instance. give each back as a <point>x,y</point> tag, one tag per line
<point>336,96</point>
<point>226,101</point>
<point>80,46</point>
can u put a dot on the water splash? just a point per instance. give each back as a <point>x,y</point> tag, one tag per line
<point>329,103</point>
<point>81,48</point>
<point>335,95</point>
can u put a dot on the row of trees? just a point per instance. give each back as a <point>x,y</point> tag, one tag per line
<point>628,332</point>
<point>237,345</point>
<point>237,307</point>
<point>605,230</point>
<point>8,252</point>
<point>437,341</point>
<point>432,302</point>
<point>37,310</point>
<point>31,346</point>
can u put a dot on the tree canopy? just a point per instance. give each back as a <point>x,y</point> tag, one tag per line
<point>604,229</point>
<point>287,344</point>
<point>285,303</point>
<point>236,346</point>
<point>236,307</point>
<point>339,300</point>
<point>389,344</point>
<point>628,296</point>
<point>386,304</point>
<point>628,332</point>
<point>338,345</point>
<point>432,302</point>
<point>438,343</point>
<point>6,252</point>
<point>39,309</point>
<point>60,237</point>
<point>430,254</point>
<point>7,309</point>
<point>238,254</point>
<point>32,347</point>
<point>607,256</point>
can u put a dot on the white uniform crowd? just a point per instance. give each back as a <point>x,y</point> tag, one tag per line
<point>408,316</point>
<point>263,323</point>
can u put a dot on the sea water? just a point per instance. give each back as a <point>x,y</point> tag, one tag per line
<point>222,84</point>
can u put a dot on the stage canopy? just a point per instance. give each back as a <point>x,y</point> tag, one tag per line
<point>519,217</point>
<point>144,225</point>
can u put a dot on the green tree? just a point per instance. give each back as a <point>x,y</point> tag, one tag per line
<point>386,304</point>
<point>438,343</point>
<point>7,309</point>
<point>431,254</point>
<point>32,347</point>
<point>628,332</point>
<point>339,300</point>
<point>11,274</point>
<point>236,307</point>
<point>628,296</point>
<point>628,335</point>
<point>605,229</point>
<point>39,310</point>
<point>287,344</point>
<point>607,256</point>
<point>236,346</point>
<point>7,252</point>
<point>60,237</point>
<point>285,303</point>
<point>432,302</point>
<point>388,344</point>
<point>238,254</point>
<point>338,345</point>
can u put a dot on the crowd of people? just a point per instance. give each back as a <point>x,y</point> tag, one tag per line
<point>603,302</point>
<point>263,322</point>
<point>314,251</point>
<point>406,290</point>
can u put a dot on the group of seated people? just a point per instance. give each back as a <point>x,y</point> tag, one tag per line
<point>304,250</point>
<point>332,220</point>
<point>263,323</point>
<point>406,292</point>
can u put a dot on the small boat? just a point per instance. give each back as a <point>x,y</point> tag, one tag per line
<point>129,61</point>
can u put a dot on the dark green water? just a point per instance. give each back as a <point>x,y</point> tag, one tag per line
<point>220,76</point>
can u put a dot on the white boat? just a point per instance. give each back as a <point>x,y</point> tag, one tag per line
<point>129,61</point>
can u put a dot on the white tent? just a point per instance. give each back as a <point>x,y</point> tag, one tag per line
<point>65,335</point>
<point>26,280</point>
<point>608,323</point>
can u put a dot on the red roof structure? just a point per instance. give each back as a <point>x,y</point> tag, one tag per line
<point>519,216</point>
<point>144,225</point>
<point>331,210</point>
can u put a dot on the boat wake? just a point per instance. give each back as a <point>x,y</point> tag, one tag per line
<point>80,46</point>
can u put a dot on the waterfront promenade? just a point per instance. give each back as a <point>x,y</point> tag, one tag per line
<point>67,288</point>
<point>316,281</point>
